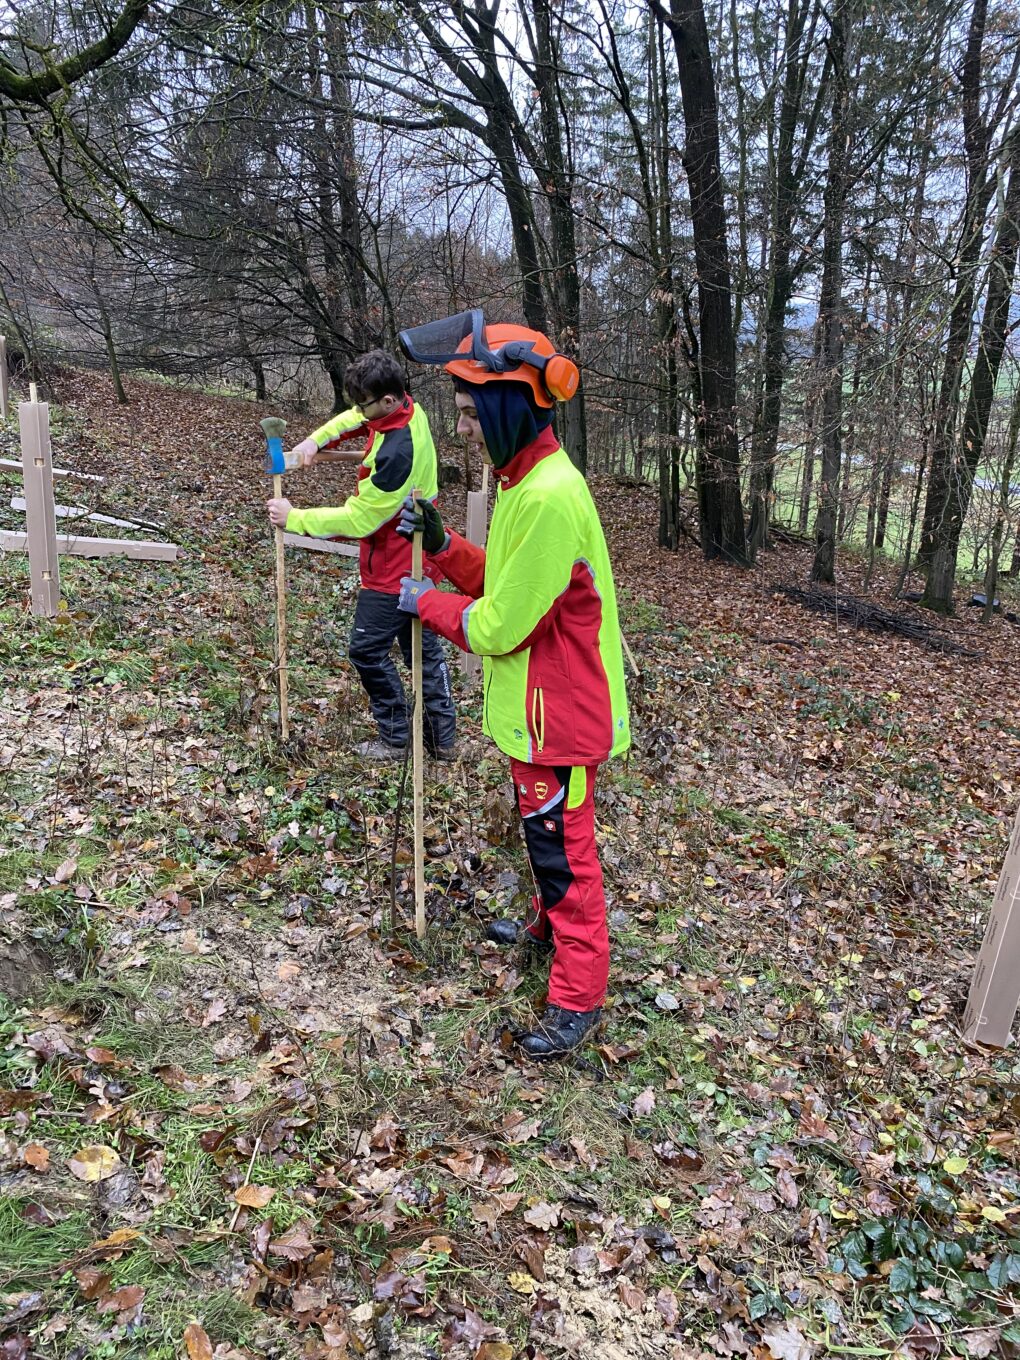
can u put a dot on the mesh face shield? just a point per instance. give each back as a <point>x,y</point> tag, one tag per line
<point>439,341</point>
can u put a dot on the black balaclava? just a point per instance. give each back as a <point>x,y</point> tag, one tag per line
<point>510,417</point>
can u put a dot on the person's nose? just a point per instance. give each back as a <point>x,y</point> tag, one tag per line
<point>463,425</point>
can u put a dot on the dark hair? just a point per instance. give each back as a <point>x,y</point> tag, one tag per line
<point>374,375</point>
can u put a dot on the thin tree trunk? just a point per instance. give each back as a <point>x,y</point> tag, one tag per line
<point>979,190</point>
<point>831,301</point>
<point>721,513</point>
<point>938,594</point>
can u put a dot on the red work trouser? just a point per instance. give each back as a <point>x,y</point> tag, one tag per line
<point>557,806</point>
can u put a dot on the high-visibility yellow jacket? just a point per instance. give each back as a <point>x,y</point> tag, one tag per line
<point>539,606</point>
<point>399,456</point>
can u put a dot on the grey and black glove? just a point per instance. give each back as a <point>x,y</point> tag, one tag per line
<point>422,517</point>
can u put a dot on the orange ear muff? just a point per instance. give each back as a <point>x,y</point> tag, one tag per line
<point>561,377</point>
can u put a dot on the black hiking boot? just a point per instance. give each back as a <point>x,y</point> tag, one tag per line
<point>560,1032</point>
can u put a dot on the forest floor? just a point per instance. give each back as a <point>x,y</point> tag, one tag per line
<point>243,1116</point>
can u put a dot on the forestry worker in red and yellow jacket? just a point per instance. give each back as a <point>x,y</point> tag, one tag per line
<point>538,605</point>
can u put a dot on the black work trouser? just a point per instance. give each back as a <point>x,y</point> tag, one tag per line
<point>377,622</point>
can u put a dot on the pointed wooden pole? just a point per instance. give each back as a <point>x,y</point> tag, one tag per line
<point>274,427</point>
<point>417,748</point>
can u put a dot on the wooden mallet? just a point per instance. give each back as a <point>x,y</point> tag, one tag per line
<point>274,428</point>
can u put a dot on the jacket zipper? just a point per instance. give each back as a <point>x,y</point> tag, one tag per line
<point>538,717</point>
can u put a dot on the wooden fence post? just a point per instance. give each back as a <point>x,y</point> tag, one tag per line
<point>3,378</point>
<point>40,517</point>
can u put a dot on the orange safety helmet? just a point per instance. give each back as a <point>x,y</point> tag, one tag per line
<point>477,353</point>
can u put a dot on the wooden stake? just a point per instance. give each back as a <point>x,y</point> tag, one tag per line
<point>630,657</point>
<point>281,622</point>
<point>3,377</point>
<point>417,749</point>
<point>40,520</point>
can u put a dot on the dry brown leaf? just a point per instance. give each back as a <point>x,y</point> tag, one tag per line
<point>254,1196</point>
<point>94,1163</point>
<point>37,1157</point>
<point>786,1341</point>
<point>543,1215</point>
<point>294,1245</point>
<point>197,1342</point>
<point>114,1244</point>
<point>520,1130</point>
<point>102,1056</point>
<point>92,1282</point>
<point>217,1010</point>
<point>65,871</point>
<point>122,1300</point>
<point>287,971</point>
<point>632,1296</point>
<point>494,1350</point>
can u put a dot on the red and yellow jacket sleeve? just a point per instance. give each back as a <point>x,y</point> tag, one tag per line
<point>520,598</point>
<point>350,424</point>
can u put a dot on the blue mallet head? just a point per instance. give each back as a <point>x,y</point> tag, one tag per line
<point>274,428</point>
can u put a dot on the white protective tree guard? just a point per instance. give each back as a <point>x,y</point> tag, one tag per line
<point>3,379</point>
<point>995,988</point>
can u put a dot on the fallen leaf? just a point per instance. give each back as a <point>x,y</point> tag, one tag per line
<point>65,871</point>
<point>123,1300</point>
<point>37,1157</point>
<point>294,1245</point>
<point>94,1163</point>
<point>955,1166</point>
<point>786,1341</point>
<point>633,1297</point>
<point>645,1102</point>
<point>112,1245</point>
<point>787,1188</point>
<point>197,1342</point>
<point>667,1305</point>
<point>543,1215</point>
<point>217,1009</point>
<point>254,1196</point>
<point>521,1130</point>
<point>494,1350</point>
<point>521,1282</point>
<point>982,1343</point>
<point>287,971</point>
<point>92,1282</point>
<point>102,1056</point>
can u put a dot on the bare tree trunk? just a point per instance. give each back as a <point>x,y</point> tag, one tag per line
<point>785,188</point>
<point>831,301</point>
<point>979,190</point>
<point>721,513</point>
<point>938,594</point>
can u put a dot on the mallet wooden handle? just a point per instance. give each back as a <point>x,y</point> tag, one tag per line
<point>417,748</point>
<point>281,621</point>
